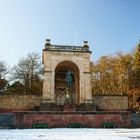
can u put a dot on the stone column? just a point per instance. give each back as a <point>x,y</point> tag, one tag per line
<point>81,89</point>
<point>52,82</point>
<point>87,88</point>
<point>47,87</point>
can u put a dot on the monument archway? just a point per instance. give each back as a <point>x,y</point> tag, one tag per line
<point>65,93</point>
<point>59,61</point>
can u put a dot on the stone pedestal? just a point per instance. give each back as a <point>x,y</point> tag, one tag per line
<point>50,107</point>
<point>69,108</point>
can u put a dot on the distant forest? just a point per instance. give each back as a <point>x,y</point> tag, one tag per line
<point>110,75</point>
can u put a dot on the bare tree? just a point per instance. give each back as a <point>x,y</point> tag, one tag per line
<point>27,70</point>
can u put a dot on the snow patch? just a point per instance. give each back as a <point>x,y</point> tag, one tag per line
<point>70,134</point>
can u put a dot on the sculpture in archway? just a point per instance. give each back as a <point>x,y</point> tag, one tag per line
<point>69,78</point>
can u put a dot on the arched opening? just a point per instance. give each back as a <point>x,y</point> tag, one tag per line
<point>66,91</point>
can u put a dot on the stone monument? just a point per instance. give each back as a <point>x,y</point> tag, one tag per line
<point>66,70</point>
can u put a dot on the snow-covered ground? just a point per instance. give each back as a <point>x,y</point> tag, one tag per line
<point>70,134</point>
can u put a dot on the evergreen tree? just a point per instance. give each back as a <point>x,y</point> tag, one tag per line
<point>3,82</point>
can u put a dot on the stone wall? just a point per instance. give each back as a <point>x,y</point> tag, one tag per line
<point>18,102</point>
<point>27,102</point>
<point>135,120</point>
<point>7,120</point>
<point>111,102</point>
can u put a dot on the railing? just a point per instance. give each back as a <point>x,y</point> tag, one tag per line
<point>66,48</point>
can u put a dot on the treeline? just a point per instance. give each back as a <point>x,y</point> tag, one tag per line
<point>23,78</point>
<point>118,75</point>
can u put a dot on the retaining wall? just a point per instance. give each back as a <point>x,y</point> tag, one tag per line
<point>61,119</point>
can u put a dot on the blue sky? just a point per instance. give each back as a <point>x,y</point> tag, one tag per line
<point>108,25</point>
